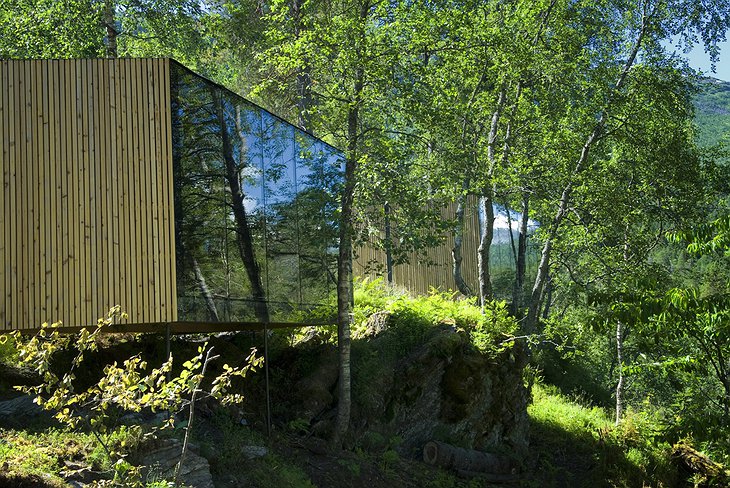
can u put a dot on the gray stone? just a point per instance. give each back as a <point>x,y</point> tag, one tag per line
<point>160,458</point>
<point>20,410</point>
<point>253,452</point>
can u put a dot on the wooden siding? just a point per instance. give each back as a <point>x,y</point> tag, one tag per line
<point>86,211</point>
<point>432,268</point>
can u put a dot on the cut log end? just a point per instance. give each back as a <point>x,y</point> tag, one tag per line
<point>430,453</point>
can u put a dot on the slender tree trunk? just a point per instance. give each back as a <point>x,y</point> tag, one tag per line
<point>620,361</point>
<point>244,239</point>
<point>518,292</point>
<point>388,244</point>
<point>486,204</point>
<point>563,206</point>
<point>547,300</point>
<point>191,416</point>
<point>485,244</point>
<point>205,291</point>
<point>457,257</point>
<point>344,277</point>
<point>111,30</point>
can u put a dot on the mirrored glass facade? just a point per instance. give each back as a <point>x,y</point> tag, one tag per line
<point>255,209</point>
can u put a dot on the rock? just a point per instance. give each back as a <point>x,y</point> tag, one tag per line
<point>253,452</point>
<point>314,392</point>
<point>12,376</point>
<point>376,324</point>
<point>161,457</point>
<point>78,474</point>
<point>20,411</point>
<point>448,391</point>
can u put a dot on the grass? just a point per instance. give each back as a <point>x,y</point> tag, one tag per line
<point>41,454</point>
<point>38,455</point>
<point>579,445</point>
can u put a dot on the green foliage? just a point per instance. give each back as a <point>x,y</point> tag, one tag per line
<point>713,112</point>
<point>129,387</point>
<point>412,318</point>
<point>592,449</point>
<point>8,349</point>
<point>279,472</point>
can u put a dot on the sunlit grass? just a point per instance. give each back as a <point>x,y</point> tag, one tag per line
<point>550,408</point>
<point>42,454</point>
<point>580,444</point>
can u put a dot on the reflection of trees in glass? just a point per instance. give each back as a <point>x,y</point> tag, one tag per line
<point>317,202</point>
<point>248,186</point>
<point>232,173</point>
<point>301,189</point>
<point>197,197</point>
<point>211,219</point>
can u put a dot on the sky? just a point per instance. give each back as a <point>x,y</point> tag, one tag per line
<point>699,60</point>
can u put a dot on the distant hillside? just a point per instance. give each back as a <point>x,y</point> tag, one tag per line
<point>713,112</point>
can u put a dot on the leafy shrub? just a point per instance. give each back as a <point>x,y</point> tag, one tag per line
<point>8,350</point>
<point>129,387</point>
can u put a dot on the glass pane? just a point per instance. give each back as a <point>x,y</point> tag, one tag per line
<point>281,215</point>
<point>200,212</point>
<point>333,177</point>
<point>255,208</point>
<point>314,230</point>
<point>244,180</point>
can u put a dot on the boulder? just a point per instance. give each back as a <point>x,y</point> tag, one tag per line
<point>160,457</point>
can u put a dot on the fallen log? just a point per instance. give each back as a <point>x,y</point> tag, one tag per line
<point>468,460</point>
<point>695,463</point>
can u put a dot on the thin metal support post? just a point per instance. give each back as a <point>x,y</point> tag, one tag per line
<point>266,373</point>
<point>168,354</point>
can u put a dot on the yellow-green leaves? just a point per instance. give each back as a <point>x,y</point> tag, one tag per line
<point>131,386</point>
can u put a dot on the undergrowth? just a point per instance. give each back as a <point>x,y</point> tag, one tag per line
<point>415,316</point>
<point>43,453</point>
<point>579,445</point>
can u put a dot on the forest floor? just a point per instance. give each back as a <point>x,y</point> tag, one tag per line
<point>571,445</point>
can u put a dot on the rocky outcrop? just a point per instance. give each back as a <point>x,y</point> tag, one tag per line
<point>447,390</point>
<point>22,410</point>
<point>436,386</point>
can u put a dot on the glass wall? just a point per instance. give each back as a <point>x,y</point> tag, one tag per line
<point>255,209</point>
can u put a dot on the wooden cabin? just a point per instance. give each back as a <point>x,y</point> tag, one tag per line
<point>138,183</point>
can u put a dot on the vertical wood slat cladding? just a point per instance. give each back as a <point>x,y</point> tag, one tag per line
<point>86,205</point>
<point>434,267</point>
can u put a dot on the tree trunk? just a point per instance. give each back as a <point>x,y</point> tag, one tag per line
<point>244,239</point>
<point>547,300</point>
<point>388,244</point>
<point>111,31</point>
<point>457,257</point>
<point>542,271</point>
<point>620,360</point>
<point>485,245</point>
<point>205,291</point>
<point>344,277</point>
<point>518,292</point>
<point>486,205</point>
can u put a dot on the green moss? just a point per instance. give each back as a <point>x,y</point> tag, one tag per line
<point>41,453</point>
